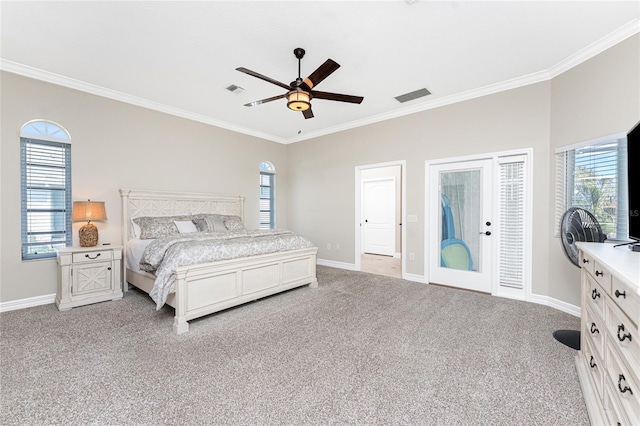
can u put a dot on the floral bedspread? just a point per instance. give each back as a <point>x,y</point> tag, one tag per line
<point>165,254</point>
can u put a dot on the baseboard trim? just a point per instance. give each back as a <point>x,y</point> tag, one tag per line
<point>415,278</point>
<point>556,304</point>
<point>336,264</point>
<point>14,305</point>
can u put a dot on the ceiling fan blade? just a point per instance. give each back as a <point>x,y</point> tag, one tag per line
<point>264,101</point>
<point>263,77</point>
<point>323,71</point>
<point>337,97</point>
<point>307,113</point>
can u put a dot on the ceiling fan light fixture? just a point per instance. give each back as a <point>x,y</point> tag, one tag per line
<point>298,100</point>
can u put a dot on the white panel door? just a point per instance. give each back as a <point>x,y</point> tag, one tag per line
<point>460,228</point>
<point>379,216</point>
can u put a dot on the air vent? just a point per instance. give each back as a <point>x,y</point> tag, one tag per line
<point>235,89</point>
<point>413,95</point>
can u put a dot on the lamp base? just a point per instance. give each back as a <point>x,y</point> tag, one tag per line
<point>88,235</point>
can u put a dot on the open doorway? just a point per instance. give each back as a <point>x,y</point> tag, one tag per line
<point>379,215</point>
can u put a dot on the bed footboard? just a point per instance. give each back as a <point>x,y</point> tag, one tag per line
<point>211,287</point>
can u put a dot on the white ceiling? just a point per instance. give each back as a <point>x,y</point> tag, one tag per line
<point>178,57</point>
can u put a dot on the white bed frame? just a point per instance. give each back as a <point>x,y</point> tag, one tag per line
<point>211,287</point>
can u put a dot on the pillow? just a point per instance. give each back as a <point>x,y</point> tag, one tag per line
<point>160,226</point>
<point>233,223</point>
<point>210,223</point>
<point>135,229</point>
<point>185,226</point>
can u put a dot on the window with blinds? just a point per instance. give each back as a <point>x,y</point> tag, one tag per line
<point>512,223</point>
<point>45,196</point>
<point>593,176</point>
<point>267,196</point>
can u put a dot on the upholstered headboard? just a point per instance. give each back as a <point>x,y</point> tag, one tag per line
<point>137,203</point>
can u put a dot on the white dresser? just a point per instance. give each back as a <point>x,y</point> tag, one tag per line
<point>608,362</point>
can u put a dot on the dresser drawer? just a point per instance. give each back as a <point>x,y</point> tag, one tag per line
<point>586,262</point>
<point>623,386</point>
<point>92,256</point>
<point>627,299</point>
<point>613,411</point>
<point>594,295</point>
<point>594,329</point>
<point>602,275</point>
<point>623,334</point>
<point>595,366</point>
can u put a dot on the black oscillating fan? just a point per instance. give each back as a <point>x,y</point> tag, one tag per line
<point>576,224</point>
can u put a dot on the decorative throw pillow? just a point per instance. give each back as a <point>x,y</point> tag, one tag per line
<point>185,226</point>
<point>233,223</point>
<point>156,227</point>
<point>210,223</point>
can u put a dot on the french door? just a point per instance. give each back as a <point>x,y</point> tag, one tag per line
<point>461,226</point>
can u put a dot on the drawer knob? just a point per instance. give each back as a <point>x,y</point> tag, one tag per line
<point>624,336</point>
<point>599,274</point>
<point>592,362</point>
<point>594,329</point>
<point>89,257</point>
<point>623,294</point>
<point>595,294</point>
<point>585,260</point>
<point>625,388</point>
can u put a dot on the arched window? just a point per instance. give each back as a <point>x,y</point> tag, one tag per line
<point>45,180</point>
<point>267,195</point>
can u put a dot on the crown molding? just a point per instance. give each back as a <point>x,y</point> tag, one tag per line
<point>606,42</point>
<point>60,80</point>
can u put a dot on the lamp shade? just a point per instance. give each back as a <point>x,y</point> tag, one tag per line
<point>298,100</point>
<point>88,210</point>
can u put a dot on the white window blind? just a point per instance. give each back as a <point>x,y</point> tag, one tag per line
<point>46,197</point>
<point>593,176</point>
<point>267,196</point>
<point>512,223</point>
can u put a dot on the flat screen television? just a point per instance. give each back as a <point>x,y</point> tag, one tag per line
<point>633,170</point>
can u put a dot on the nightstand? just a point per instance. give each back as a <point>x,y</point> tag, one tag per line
<point>88,275</point>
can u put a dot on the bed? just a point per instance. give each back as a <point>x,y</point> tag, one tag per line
<point>204,288</point>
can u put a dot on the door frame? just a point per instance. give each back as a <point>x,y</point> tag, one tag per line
<point>403,209</point>
<point>496,290</point>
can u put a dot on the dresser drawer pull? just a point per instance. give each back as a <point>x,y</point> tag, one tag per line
<point>625,388</point>
<point>599,273</point>
<point>89,257</point>
<point>592,362</point>
<point>594,329</point>
<point>624,336</point>
<point>585,260</point>
<point>623,294</point>
<point>595,294</point>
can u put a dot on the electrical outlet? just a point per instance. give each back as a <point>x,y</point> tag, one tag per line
<point>412,256</point>
<point>328,246</point>
<point>337,247</point>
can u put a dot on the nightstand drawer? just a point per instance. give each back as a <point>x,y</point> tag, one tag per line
<point>92,256</point>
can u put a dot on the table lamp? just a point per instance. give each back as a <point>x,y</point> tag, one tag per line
<point>88,210</point>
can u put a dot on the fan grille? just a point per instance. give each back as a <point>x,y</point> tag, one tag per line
<point>578,225</point>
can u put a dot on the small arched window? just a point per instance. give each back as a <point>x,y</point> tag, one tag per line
<point>267,195</point>
<point>45,180</point>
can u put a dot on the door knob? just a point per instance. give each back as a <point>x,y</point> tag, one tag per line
<point>486,233</point>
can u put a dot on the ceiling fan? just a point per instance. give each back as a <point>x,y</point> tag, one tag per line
<point>299,92</point>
